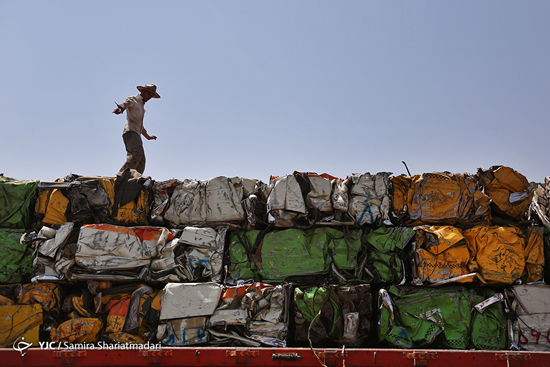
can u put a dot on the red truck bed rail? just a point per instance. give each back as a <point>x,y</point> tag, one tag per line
<point>270,357</point>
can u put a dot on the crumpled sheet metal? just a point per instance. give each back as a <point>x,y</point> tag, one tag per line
<point>78,330</point>
<point>15,202</point>
<point>20,322</point>
<point>510,191</point>
<point>206,202</point>
<point>369,201</point>
<point>185,310</point>
<point>91,199</point>
<point>229,317</point>
<point>262,309</point>
<point>540,205</point>
<point>499,253</point>
<point>440,253</point>
<point>329,315</point>
<point>382,263</point>
<point>532,306</point>
<point>240,268</point>
<point>534,255</point>
<point>321,191</point>
<point>183,300</point>
<point>413,318</point>
<point>50,262</point>
<point>54,208</point>
<point>344,248</point>
<point>439,198</point>
<point>268,307</point>
<point>16,256</point>
<point>285,202</point>
<point>46,294</point>
<point>326,198</point>
<point>109,247</point>
<point>124,253</point>
<point>162,191</point>
<point>293,252</point>
<point>182,332</point>
<point>203,248</point>
<point>169,264</point>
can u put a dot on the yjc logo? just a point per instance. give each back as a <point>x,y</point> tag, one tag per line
<point>47,345</point>
<point>21,346</point>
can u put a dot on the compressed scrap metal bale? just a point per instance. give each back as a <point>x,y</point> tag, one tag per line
<point>383,260</point>
<point>185,310</point>
<point>330,315</point>
<point>77,330</point>
<point>292,254</point>
<point>449,317</point>
<point>48,296</point>
<point>20,323</point>
<point>16,256</point>
<point>255,194</point>
<point>344,249</point>
<point>51,207</point>
<point>440,253</point>
<point>207,202</point>
<point>439,199</point>
<point>540,205</point>
<point>203,249</point>
<point>506,254</point>
<point>251,315</point>
<point>16,200</point>
<point>111,252</point>
<point>510,192</point>
<point>131,200</point>
<point>326,199</point>
<point>94,199</point>
<point>55,252</point>
<point>286,206</point>
<point>132,313</point>
<point>529,330</point>
<point>89,200</point>
<point>162,192</point>
<point>169,264</point>
<point>369,197</point>
<point>241,245</point>
<point>535,257</point>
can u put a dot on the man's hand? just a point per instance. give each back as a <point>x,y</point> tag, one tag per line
<point>147,136</point>
<point>117,111</point>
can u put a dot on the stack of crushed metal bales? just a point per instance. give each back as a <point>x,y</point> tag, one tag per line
<point>437,260</point>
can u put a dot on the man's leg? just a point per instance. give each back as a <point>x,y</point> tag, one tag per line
<point>135,156</point>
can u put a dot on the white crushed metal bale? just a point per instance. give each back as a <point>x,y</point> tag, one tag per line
<point>182,300</point>
<point>206,201</point>
<point>370,197</point>
<point>532,306</point>
<point>108,247</point>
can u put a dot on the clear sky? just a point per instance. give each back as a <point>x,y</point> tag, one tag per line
<point>260,88</point>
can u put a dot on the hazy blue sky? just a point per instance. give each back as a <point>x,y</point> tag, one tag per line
<point>260,88</point>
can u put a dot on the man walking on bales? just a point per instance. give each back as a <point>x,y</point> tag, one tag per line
<point>133,129</point>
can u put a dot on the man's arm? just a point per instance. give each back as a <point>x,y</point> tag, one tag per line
<point>121,107</point>
<point>147,136</point>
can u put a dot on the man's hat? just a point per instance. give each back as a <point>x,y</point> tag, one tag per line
<point>151,88</point>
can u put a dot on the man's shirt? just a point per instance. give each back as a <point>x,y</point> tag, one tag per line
<point>135,110</point>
